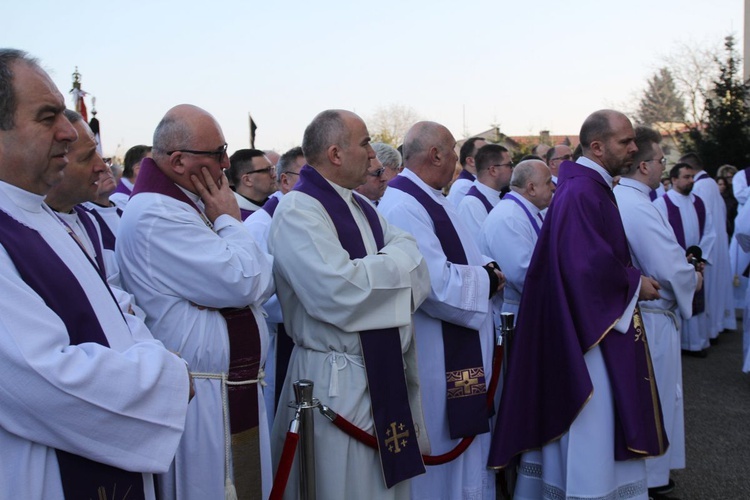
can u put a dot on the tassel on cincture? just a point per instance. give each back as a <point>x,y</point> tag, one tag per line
<point>230,493</point>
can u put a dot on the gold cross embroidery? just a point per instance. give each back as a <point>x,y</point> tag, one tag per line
<point>396,440</point>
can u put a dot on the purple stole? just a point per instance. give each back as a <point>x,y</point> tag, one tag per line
<point>245,213</point>
<point>93,235</point>
<point>271,204</point>
<point>673,215</point>
<point>702,177</point>
<point>122,188</point>
<point>244,356</point>
<point>108,237</point>
<point>534,224</point>
<point>399,452</point>
<point>652,195</point>
<point>33,257</point>
<point>579,282</point>
<point>476,193</point>
<point>747,175</point>
<point>465,174</point>
<point>466,388</point>
<point>284,343</point>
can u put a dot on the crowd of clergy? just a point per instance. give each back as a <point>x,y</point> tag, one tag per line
<point>152,325</point>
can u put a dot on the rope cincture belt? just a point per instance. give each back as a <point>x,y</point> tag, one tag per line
<point>225,408</point>
<point>369,440</point>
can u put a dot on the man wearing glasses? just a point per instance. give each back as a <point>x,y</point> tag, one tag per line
<point>375,185</point>
<point>555,156</point>
<point>254,179</point>
<point>494,169</point>
<point>185,254</point>
<point>656,253</point>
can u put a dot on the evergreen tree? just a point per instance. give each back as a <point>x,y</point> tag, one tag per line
<point>661,102</point>
<point>725,136</point>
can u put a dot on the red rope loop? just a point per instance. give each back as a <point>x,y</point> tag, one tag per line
<point>369,440</point>
<point>285,466</point>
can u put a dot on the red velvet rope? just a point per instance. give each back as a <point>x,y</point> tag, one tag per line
<point>285,466</point>
<point>369,440</point>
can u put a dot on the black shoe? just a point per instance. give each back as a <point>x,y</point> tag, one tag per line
<point>663,490</point>
<point>714,341</point>
<point>695,354</point>
<point>659,496</point>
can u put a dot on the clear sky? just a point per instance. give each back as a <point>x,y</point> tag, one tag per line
<point>527,66</point>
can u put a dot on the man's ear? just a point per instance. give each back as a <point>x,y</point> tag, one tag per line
<point>597,148</point>
<point>434,156</point>
<point>176,163</point>
<point>334,154</point>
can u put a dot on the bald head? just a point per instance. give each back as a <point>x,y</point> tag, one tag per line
<point>186,140</point>
<point>337,145</point>
<point>607,138</point>
<point>532,179</point>
<point>429,152</point>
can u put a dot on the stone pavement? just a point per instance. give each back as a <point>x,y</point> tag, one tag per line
<point>717,424</point>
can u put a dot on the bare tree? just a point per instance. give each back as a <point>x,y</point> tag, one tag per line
<point>693,70</point>
<point>390,123</point>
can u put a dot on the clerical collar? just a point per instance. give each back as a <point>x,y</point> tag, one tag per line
<point>258,203</point>
<point>193,197</point>
<point>635,184</point>
<point>586,162</point>
<point>487,191</point>
<point>436,193</point>
<point>26,200</point>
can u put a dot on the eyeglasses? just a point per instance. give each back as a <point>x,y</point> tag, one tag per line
<point>291,173</point>
<point>377,173</point>
<point>510,165</point>
<point>563,157</point>
<point>261,170</point>
<point>218,153</point>
<point>663,160</point>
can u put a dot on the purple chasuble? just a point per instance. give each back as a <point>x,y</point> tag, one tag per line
<point>465,174</point>
<point>466,388</point>
<point>271,204</point>
<point>122,188</point>
<point>33,258</point>
<point>675,220</point>
<point>534,223</point>
<point>579,282</point>
<point>399,452</point>
<point>476,193</point>
<point>244,356</point>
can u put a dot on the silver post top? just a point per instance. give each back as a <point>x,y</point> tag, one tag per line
<point>507,321</point>
<point>303,391</point>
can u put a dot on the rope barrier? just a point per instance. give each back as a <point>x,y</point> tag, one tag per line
<point>285,466</point>
<point>370,441</point>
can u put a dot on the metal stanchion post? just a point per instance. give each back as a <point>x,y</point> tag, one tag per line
<point>508,327</point>
<point>305,403</point>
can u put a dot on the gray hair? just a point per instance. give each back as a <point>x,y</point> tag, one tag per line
<point>522,173</point>
<point>326,129</point>
<point>287,160</point>
<point>171,134</point>
<point>387,154</point>
<point>72,116</point>
<point>8,102</point>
